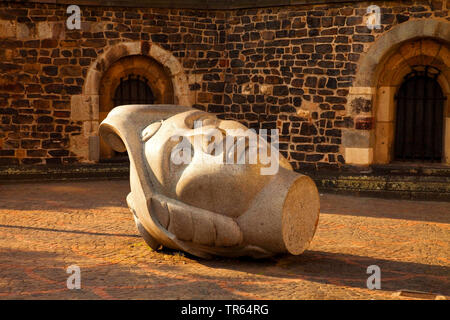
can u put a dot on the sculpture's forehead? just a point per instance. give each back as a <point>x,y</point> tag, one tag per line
<point>192,121</point>
<point>187,118</point>
<point>184,120</point>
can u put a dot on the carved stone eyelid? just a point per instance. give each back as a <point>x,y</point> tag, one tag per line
<point>197,116</point>
<point>150,130</point>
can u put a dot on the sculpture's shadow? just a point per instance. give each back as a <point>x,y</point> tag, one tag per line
<point>342,270</point>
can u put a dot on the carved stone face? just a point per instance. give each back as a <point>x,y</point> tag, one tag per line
<point>204,181</point>
<point>206,204</point>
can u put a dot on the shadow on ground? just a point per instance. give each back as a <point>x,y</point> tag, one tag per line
<point>57,196</point>
<point>43,275</point>
<point>345,270</point>
<point>386,208</point>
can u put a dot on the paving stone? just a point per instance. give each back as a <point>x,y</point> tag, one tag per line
<point>46,227</point>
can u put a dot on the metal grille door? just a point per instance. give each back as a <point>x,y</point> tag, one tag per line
<point>419,118</point>
<point>133,90</point>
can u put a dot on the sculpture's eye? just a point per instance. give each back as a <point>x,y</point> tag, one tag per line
<point>148,132</point>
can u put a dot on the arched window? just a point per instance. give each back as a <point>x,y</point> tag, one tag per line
<point>419,117</point>
<point>133,89</point>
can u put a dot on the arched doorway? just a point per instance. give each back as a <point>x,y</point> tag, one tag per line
<point>419,117</point>
<point>132,80</point>
<point>165,75</point>
<point>381,72</point>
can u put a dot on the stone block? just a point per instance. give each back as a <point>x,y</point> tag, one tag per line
<point>385,100</point>
<point>24,32</point>
<point>92,84</point>
<point>411,49</point>
<point>357,139</point>
<point>98,26</point>
<point>266,89</point>
<point>364,123</point>
<point>44,30</point>
<point>173,65</point>
<point>365,91</point>
<point>359,103</point>
<point>159,54</point>
<point>430,47</point>
<point>20,153</point>
<point>195,78</point>
<point>384,133</point>
<point>84,107</point>
<point>8,29</point>
<point>79,145</point>
<point>444,54</point>
<point>204,97</point>
<point>94,148</point>
<point>5,55</point>
<point>359,156</point>
<point>184,100</point>
<point>90,128</point>
<point>180,86</point>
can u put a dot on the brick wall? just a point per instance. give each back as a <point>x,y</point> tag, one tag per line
<point>287,67</point>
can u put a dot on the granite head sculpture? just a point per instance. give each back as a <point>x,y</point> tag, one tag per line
<point>194,189</point>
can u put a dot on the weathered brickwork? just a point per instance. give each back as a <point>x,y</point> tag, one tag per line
<point>289,68</point>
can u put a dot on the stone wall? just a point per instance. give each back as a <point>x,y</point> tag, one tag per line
<point>289,68</point>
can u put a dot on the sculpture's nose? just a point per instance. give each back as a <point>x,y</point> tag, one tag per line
<point>199,118</point>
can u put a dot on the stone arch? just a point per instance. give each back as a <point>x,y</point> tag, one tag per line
<point>85,107</point>
<point>392,70</point>
<point>411,30</point>
<point>379,76</point>
<point>159,82</point>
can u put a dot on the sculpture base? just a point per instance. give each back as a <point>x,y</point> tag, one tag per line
<point>300,215</point>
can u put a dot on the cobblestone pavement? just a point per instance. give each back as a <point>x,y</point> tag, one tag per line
<point>46,227</point>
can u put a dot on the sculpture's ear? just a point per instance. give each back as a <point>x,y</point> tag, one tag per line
<point>112,138</point>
